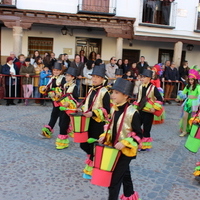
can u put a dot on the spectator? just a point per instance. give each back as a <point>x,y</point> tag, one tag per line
<point>38,68</point>
<point>52,60</point>
<point>47,61</point>
<point>171,74</point>
<point>10,69</point>
<point>27,71</point>
<point>45,76</point>
<point>166,8</point>
<point>98,62</point>
<point>125,66</point>
<point>82,56</point>
<point>128,76</point>
<point>87,71</point>
<point>35,55</point>
<point>165,66</point>
<point>183,73</point>
<point>21,62</point>
<point>134,70</point>
<point>92,56</point>
<point>98,56</point>
<point>67,62</point>
<point>79,66</point>
<point>111,67</point>
<point>119,63</point>
<point>137,84</point>
<point>12,55</point>
<point>142,65</point>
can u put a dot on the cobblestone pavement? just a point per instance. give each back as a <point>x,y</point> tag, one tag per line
<point>32,169</point>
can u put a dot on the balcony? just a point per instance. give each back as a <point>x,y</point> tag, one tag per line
<point>8,3</point>
<point>155,13</point>
<point>97,7</point>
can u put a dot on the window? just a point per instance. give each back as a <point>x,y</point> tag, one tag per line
<point>158,12</point>
<point>41,44</point>
<point>198,17</point>
<point>97,6</point>
<point>133,56</point>
<point>8,2</point>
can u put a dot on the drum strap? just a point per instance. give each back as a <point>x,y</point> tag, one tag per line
<point>120,126</point>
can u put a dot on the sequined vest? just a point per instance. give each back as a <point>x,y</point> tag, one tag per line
<point>126,127</point>
<point>98,102</point>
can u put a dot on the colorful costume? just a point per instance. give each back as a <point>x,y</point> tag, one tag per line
<point>192,100</point>
<point>97,101</point>
<point>54,86</point>
<point>124,127</point>
<point>70,95</point>
<point>148,97</point>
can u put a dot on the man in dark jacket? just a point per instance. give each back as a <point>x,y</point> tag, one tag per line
<point>142,65</point>
<point>79,66</point>
<point>171,75</point>
<point>125,66</point>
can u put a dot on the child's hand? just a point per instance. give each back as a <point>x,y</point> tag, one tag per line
<point>65,104</point>
<point>101,139</point>
<point>119,146</point>
<point>88,114</point>
<point>52,95</point>
<point>152,110</point>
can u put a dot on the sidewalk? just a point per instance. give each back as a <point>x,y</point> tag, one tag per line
<point>32,169</point>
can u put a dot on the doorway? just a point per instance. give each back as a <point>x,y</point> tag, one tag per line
<point>166,54</point>
<point>88,45</point>
<point>133,56</point>
<point>41,44</point>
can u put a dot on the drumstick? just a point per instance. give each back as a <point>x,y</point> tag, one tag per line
<point>91,140</point>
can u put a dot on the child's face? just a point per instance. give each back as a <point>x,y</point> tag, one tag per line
<point>128,73</point>
<point>191,81</point>
<point>97,80</point>
<point>145,79</point>
<point>46,69</point>
<point>69,78</point>
<point>118,76</point>
<point>118,97</point>
<point>134,65</point>
<point>56,72</point>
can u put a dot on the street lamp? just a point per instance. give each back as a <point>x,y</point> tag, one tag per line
<point>190,47</point>
<point>64,30</point>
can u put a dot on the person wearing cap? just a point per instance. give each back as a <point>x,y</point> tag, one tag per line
<point>68,102</point>
<point>149,100</point>
<point>54,90</point>
<point>192,101</point>
<point>125,134</point>
<point>10,69</point>
<point>97,107</point>
<point>27,71</point>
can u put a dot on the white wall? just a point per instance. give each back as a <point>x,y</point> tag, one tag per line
<point>60,41</point>
<point>66,6</point>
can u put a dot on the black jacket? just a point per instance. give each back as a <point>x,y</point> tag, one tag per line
<point>79,68</point>
<point>171,74</point>
<point>6,70</point>
<point>141,68</point>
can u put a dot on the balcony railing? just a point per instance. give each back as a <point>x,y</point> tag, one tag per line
<point>155,13</point>
<point>100,7</point>
<point>8,3</point>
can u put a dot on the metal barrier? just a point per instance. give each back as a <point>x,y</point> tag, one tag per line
<point>83,84</point>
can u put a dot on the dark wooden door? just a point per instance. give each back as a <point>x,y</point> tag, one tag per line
<point>96,5</point>
<point>132,55</point>
<point>41,44</point>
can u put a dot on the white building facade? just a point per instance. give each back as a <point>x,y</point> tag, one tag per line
<point>91,24</point>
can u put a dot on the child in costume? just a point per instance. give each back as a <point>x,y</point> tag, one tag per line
<point>149,102</point>
<point>156,82</point>
<point>54,90</point>
<point>191,103</point>
<point>97,106</point>
<point>124,133</point>
<point>68,102</point>
<point>193,140</point>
